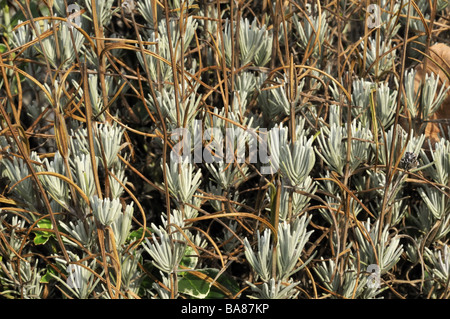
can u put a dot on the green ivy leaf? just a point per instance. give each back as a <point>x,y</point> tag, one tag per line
<point>201,287</point>
<point>45,223</point>
<point>190,258</point>
<point>227,282</point>
<point>43,236</point>
<point>137,234</point>
<point>194,286</point>
<point>45,279</point>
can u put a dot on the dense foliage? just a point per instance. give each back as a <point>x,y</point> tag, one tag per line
<point>223,149</point>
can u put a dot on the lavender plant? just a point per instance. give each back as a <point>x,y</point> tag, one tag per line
<point>203,149</point>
